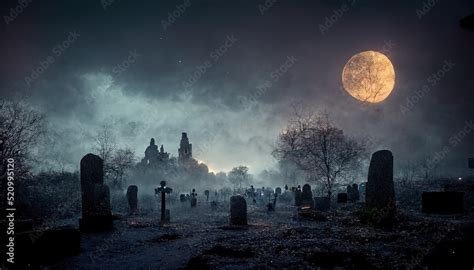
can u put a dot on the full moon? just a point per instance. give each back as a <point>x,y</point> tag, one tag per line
<point>369,76</point>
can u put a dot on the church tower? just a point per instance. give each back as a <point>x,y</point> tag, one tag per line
<point>185,148</point>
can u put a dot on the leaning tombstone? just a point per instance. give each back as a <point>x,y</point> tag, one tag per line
<point>238,210</point>
<point>132,197</point>
<point>96,210</point>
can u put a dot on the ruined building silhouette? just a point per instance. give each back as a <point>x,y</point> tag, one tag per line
<point>153,156</point>
<point>185,149</point>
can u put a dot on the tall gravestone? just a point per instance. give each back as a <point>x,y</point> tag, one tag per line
<point>307,196</point>
<point>355,192</point>
<point>380,191</point>
<point>350,194</point>
<point>238,210</point>
<point>298,195</point>
<point>132,197</point>
<point>96,210</point>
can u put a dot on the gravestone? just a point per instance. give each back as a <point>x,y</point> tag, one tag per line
<point>278,191</point>
<point>163,190</point>
<point>356,193</point>
<point>206,193</point>
<point>238,210</point>
<point>380,192</point>
<point>342,198</point>
<point>132,197</point>
<point>322,203</point>
<point>193,198</point>
<point>442,202</point>
<point>298,197</point>
<point>96,210</point>
<point>213,205</point>
<point>307,197</point>
<point>350,194</point>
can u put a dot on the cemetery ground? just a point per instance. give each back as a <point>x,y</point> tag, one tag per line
<point>342,238</point>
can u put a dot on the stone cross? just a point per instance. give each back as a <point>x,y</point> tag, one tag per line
<point>163,190</point>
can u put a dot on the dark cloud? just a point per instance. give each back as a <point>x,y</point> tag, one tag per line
<point>125,68</point>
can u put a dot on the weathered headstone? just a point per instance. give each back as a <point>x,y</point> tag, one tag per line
<point>96,210</point>
<point>132,197</point>
<point>355,193</point>
<point>278,191</point>
<point>238,210</point>
<point>442,202</point>
<point>342,198</point>
<point>298,197</point>
<point>380,192</point>
<point>307,197</point>
<point>322,203</point>
<point>350,194</point>
<point>193,198</point>
<point>206,193</point>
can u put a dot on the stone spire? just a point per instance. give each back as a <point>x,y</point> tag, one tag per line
<point>185,148</point>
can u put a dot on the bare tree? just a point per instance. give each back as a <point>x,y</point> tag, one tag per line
<point>121,162</point>
<point>116,160</point>
<point>105,144</point>
<point>238,176</point>
<point>20,129</point>
<point>319,148</point>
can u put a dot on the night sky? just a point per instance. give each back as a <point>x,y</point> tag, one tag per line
<point>227,72</point>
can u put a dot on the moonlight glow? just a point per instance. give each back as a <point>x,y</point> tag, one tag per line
<point>369,76</point>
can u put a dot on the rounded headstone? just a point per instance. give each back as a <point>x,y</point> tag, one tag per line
<point>238,210</point>
<point>380,192</point>
<point>92,170</point>
<point>132,197</point>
